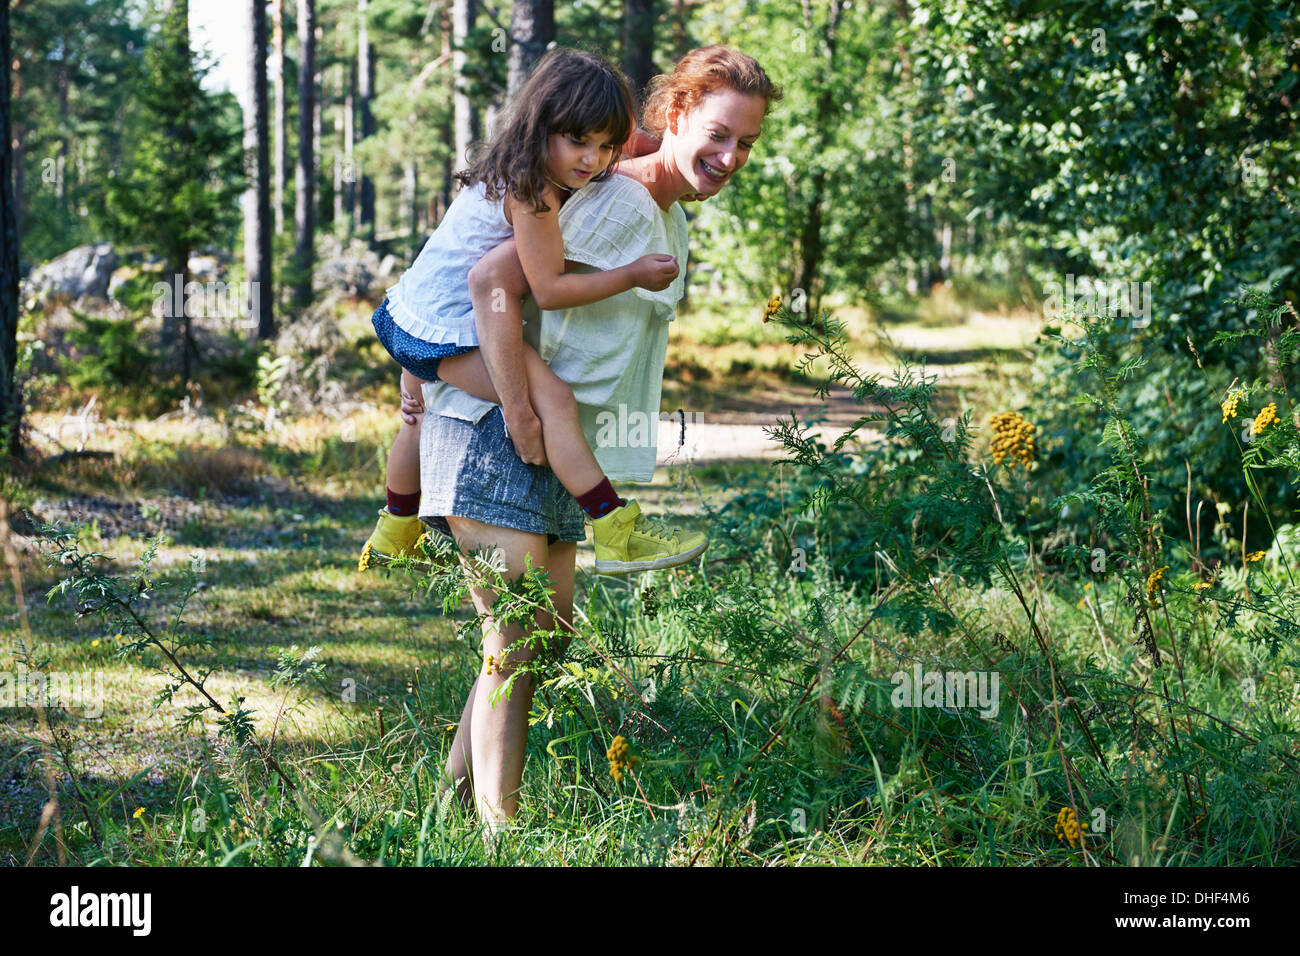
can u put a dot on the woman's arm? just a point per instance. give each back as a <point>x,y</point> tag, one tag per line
<point>541,254</point>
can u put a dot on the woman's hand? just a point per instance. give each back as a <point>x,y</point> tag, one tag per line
<point>640,143</point>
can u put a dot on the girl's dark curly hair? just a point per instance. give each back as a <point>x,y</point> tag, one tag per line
<point>570,92</point>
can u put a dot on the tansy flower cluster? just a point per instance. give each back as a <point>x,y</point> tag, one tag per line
<point>1153,582</point>
<point>649,603</point>
<point>773,304</point>
<point>1229,405</point>
<point>365,558</point>
<point>1255,556</point>
<point>1266,417</point>
<point>619,759</point>
<point>1067,827</point>
<point>1013,437</point>
<point>490,664</point>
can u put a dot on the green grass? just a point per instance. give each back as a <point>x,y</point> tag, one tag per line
<point>770,737</point>
<point>893,787</point>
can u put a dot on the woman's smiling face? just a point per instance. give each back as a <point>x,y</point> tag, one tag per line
<point>713,139</point>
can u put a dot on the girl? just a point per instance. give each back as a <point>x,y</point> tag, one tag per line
<point>569,122</point>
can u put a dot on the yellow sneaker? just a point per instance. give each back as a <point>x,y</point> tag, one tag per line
<point>393,537</point>
<point>627,541</point>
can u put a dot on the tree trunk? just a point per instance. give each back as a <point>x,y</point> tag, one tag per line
<point>349,163</point>
<point>10,401</point>
<point>638,43</point>
<point>811,244</point>
<point>281,120</point>
<point>257,194</point>
<point>303,219</point>
<point>176,320</point>
<point>318,94</point>
<point>366,87</point>
<point>449,124</point>
<point>411,188</point>
<point>532,27</point>
<point>463,15</point>
<point>19,139</point>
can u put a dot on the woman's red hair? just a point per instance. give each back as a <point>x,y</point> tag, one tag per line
<point>700,72</point>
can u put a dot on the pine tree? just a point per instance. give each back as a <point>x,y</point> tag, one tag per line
<point>181,176</point>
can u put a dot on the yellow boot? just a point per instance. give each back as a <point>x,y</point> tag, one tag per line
<point>393,537</point>
<point>627,541</point>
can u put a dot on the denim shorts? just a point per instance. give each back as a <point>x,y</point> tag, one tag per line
<point>471,471</point>
<point>417,356</point>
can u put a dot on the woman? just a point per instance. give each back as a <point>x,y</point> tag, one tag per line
<point>482,473</point>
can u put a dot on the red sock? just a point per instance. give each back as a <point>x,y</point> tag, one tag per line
<point>403,506</point>
<point>601,500</point>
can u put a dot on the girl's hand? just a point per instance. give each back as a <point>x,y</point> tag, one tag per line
<point>525,430</point>
<point>655,272</point>
<point>411,406</point>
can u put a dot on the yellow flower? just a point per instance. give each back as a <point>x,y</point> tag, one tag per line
<point>365,558</point>
<point>139,812</point>
<point>1153,582</point>
<point>1204,585</point>
<point>95,643</point>
<point>1266,417</point>
<point>490,662</point>
<point>1067,827</point>
<point>617,754</point>
<point>1013,437</point>
<point>1229,405</point>
<point>773,305</point>
<point>1255,556</point>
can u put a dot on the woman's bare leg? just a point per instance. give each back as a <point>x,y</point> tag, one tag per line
<point>567,451</point>
<point>498,735</point>
<point>561,560</point>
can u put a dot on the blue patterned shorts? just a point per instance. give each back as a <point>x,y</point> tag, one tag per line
<point>471,470</point>
<point>417,356</point>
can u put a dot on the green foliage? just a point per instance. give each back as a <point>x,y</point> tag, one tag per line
<point>71,82</point>
<point>828,154</point>
<point>177,187</point>
<point>108,353</point>
<point>1137,144</point>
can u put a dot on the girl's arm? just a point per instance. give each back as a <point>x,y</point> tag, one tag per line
<point>541,253</point>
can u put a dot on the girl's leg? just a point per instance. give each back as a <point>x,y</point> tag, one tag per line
<point>567,451</point>
<point>498,735</point>
<point>403,476</point>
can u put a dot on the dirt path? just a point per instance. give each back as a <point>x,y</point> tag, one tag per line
<point>735,431</point>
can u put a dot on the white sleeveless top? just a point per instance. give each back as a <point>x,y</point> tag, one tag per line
<point>431,299</point>
<point>610,352</point>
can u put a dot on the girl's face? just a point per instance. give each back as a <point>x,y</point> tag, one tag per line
<point>712,141</point>
<point>573,160</point>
